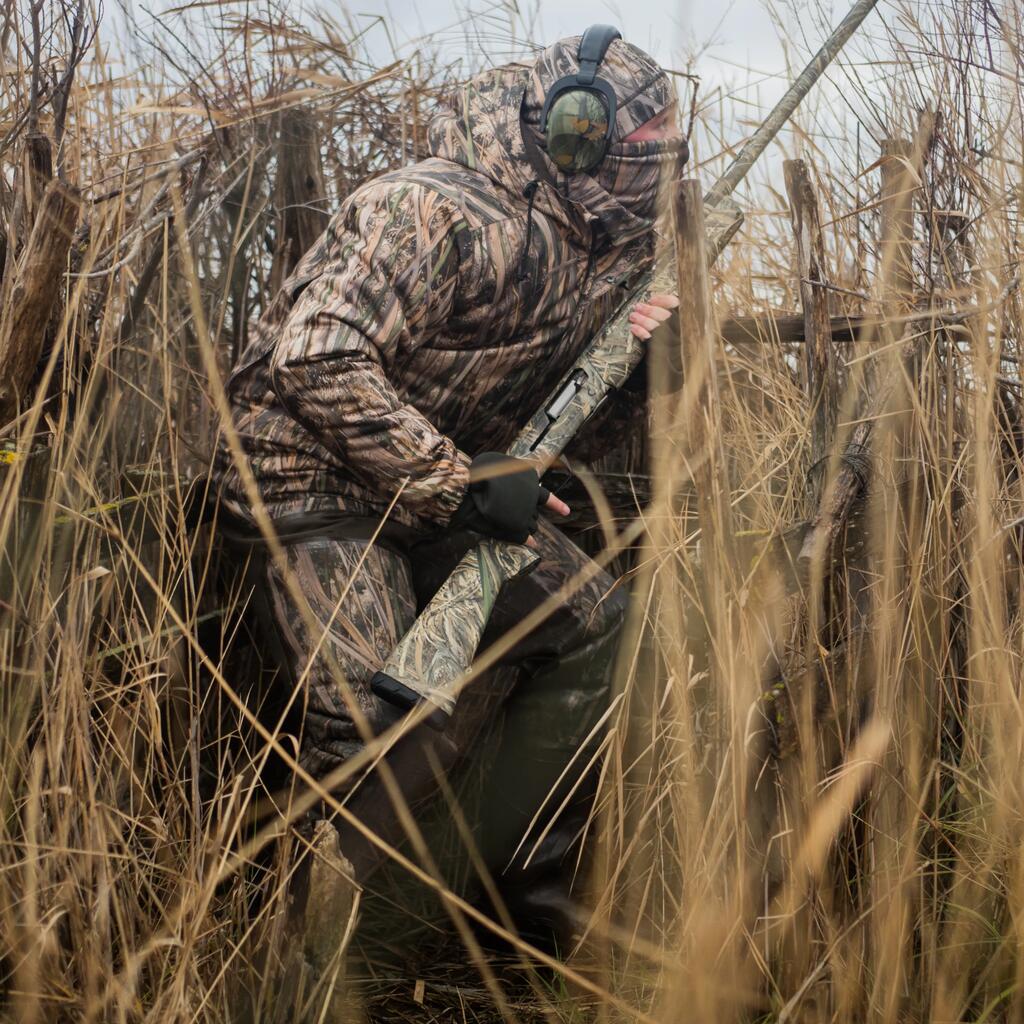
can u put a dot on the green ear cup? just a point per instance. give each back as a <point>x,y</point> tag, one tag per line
<point>577,130</point>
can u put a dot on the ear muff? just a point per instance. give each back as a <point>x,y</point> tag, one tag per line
<point>579,110</point>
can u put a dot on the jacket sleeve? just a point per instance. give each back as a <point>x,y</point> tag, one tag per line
<point>388,280</point>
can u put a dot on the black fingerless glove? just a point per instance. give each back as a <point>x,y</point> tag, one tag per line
<point>503,498</point>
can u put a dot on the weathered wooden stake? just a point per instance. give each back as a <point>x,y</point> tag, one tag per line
<point>34,293</point>
<point>838,500</point>
<point>300,191</point>
<point>33,174</point>
<point>699,406</point>
<point>819,361</point>
<point>899,182</point>
<point>900,171</point>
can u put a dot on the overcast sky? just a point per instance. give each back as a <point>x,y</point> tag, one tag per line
<point>743,54</point>
<point>659,26</point>
<point>737,46</point>
<point>740,32</point>
<point>740,48</point>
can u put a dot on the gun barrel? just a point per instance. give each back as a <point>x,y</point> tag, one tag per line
<point>783,110</point>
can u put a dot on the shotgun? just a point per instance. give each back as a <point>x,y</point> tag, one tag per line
<point>436,654</point>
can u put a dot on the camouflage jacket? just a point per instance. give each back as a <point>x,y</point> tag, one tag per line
<point>443,302</point>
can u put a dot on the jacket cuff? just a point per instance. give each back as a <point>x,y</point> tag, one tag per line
<point>451,496</point>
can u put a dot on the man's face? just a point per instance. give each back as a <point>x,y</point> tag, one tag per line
<point>661,126</point>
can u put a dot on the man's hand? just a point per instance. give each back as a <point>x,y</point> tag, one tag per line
<point>646,316</point>
<point>504,497</point>
<point>556,505</point>
<point>553,504</point>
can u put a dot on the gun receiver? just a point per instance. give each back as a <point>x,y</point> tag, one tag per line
<point>436,654</point>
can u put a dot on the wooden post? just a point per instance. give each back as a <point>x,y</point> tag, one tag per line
<point>701,427</point>
<point>819,362</point>
<point>836,503</point>
<point>34,171</point>
<point>35,291</point>
<point>300,193</point>
<point>899,181</point>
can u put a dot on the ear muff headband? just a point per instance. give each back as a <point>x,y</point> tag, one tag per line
<point>578,116</point>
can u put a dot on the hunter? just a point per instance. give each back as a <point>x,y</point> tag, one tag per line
<point>411,343</point>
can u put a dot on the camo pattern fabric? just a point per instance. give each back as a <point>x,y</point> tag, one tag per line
<point>360,599</point>
<point>443,302</point>
<point>577,130</point>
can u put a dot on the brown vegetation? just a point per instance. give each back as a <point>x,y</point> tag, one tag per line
<point>811,802</point>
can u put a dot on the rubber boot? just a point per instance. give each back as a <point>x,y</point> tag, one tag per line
<point>414,763</point>
<point>548,739</point>
<point>303,950</point>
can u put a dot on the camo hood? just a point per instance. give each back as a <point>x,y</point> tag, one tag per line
<point>492,125</point>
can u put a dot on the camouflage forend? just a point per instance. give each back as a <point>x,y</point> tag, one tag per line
<point>605,365</point>
<point>439,649</point>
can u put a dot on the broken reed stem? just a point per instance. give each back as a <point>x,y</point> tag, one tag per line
<point>899,180</point>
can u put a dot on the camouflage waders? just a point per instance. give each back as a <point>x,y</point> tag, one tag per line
<point>549,691</point>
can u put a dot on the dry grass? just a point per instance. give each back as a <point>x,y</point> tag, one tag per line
<point>848,850</point>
